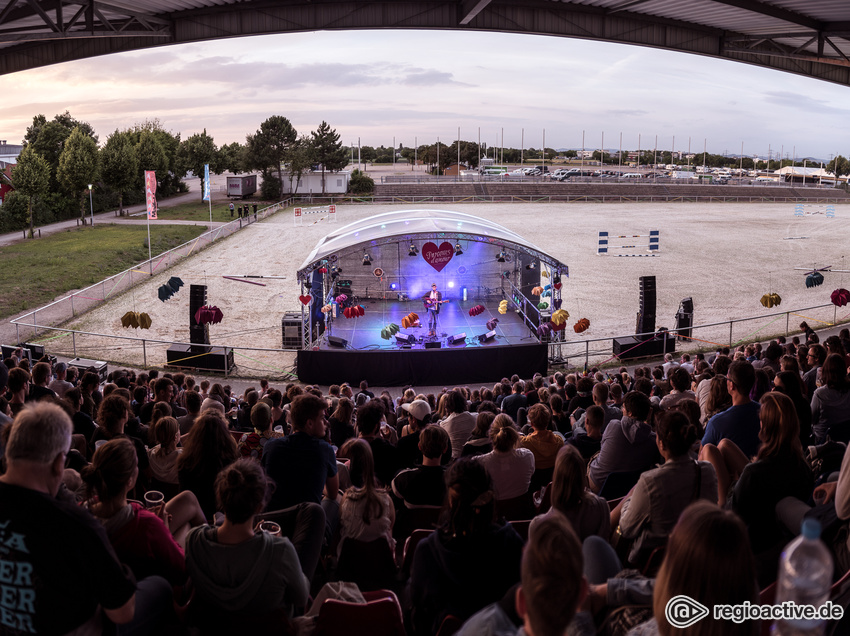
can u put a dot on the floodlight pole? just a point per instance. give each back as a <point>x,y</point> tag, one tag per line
<point>91,207</point>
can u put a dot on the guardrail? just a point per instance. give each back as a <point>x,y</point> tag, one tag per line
<point>556,198</point>
<point>81,301</point>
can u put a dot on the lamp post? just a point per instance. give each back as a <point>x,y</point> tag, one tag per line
<point>91,207</point>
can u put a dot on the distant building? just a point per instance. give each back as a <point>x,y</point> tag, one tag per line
<point>798,174</point>
<point>585,154</point>
<point>311,183</point>
<point>9,152</point>
<point>454,169</point>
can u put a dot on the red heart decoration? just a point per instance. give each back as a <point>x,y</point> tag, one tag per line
<point>305,299</point>
<point>556,285</point>
<point>438,257</point>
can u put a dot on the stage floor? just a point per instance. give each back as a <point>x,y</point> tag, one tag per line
<point>364,333</point>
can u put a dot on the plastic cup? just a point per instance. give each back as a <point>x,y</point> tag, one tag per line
<point>270,527</point>
<point>153,498</point>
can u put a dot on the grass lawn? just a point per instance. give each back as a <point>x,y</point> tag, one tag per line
<point>200,211</point>
<point>33,273</point>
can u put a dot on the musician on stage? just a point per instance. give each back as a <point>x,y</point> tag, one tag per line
<point>433,299</point>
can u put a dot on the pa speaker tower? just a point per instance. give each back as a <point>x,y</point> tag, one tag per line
<point>198,334</point>
<point>646,312</point>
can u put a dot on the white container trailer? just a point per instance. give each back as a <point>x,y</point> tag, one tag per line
<point>241,186</point>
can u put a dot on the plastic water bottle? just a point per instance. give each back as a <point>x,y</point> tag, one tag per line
<point>805,577</point>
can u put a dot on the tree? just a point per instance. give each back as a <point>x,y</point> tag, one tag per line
<point>119,164</point>
<point>360,183</point>
<point>157,150</point>
<point>152,156</point>
<point>78,165</point>
<point>301,158</point>
<point>328,150</point>
<point>197,151</point>
<point>31,178</point>
<point>232,157</point>
<point>840,165</point>
<point>272,144</point>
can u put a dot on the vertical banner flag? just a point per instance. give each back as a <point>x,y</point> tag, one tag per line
<point>150,193</point>
<point>206,182</point>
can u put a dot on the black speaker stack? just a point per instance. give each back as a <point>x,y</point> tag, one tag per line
<point>198,334</point>
<point>685,318</point>
<point>646,313</point>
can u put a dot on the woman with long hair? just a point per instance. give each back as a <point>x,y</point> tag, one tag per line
<point>235,568</point>
<point>339,423</point>
<point>143,539</point>
<point>588,513</point>
<point>163,457</point>
<point>366,512</point>
<point>718,399</point>
<point>778,470</point>
<point>479,440</point>
<point>471,560</point>
<point>831,402</point>
<point>207,449</point>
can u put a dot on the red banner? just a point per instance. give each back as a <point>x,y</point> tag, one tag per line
<point>150,193</point>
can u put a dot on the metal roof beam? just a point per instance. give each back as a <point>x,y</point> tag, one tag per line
<point>471,8</point>
<point>774,12</point>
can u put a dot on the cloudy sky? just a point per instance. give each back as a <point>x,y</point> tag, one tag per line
<point>417,86</point>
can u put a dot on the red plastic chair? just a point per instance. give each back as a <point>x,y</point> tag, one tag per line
<point>370,564</point>
<point>380,615</point>
<point>409,550</point>
<point>451,625</point>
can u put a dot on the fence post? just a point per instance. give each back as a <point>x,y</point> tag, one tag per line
<point>73,313</point>
<point>787,322</point>
<point>144,353</point>
<point>586,353</point>
<point>74,341</point>
<point>834,314</point>
<point>34,321</point>
<point>103,289</point>
<point>730,333</point>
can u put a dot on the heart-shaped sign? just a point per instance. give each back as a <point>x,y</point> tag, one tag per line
<point>305,299</point>
<point>438,257</point>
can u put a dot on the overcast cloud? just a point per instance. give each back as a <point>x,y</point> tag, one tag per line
<point>423,85</point>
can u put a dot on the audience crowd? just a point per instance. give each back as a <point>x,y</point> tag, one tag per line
<point>142,502</point>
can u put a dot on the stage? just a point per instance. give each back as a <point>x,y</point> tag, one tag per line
<point>367,356</point>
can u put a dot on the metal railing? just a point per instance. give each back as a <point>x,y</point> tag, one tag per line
<point>706,337</point>
<point>86,299</point>
<point>373,199</point>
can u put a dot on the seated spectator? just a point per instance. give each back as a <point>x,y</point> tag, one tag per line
<point>192,401</point>
<point>680,380</point>
<point>543,444</point>
<point>252,444</point>
<point>18,389</point>
<point>39,381</point>
<point>112,416</point>
<point>83,424</point>
<point>587,513</point>
<point>163,457</point>
<point>471,560</point>
<point>740,422</point>
<point>425,485</point>
<point>790,383</point>
<point>243,413</point>
<point>236,568</point>
<point>479,441</point>
<point>43,563</point>
<point>340,424</point>
<point>831,402</point>
<point>366,512</point>
<point>600,398</point>
<point>207,449</point>
<point>60,385</point>
<point>589,441</point>
<point>418,414</point>
<point>649,512</point>
<point>459,424</point>
<point>717,399</point>
<point>385,454</point>
<point>628,444</point>
<point>560,419</point>
<point>510,468</point>
<point>551,590</point>
<point>763,383</point>
<point>779,470</point>
<point>143,539</point>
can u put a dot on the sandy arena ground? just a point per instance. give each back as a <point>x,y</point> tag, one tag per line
<point>724,255</point>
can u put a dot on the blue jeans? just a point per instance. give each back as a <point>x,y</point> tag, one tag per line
<point>432,320</point>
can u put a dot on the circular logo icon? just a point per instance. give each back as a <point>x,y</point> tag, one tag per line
<point>683,611</point>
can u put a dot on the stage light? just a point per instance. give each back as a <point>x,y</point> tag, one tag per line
<point>485,337</point>
<point>451,284</point>
<point>531,265</point>
<point>308,284</point>
<point>413,251</point>
<point>464,292</point>
<point>367,260</point>
<point>458,249</point>
<point>393,286</point>
<point>501,257</point>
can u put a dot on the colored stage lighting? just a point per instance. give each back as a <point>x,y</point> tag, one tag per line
<point>501,257</point>
<point>413,251</point>
<point>367,260</point>
<point>458,249</point>
<point>393,286</point>
<point>451,284</point>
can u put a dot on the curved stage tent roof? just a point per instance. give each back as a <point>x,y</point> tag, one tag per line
<point>805,37</point>
<point>409,225</point>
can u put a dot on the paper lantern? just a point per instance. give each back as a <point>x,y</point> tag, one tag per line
<point>542,306</point>
<point>491,324</point>
<point>814,279</point>
<point>340,300</point>
<point>503,307</point>
<point>136,320</point>
<point>840,297</point>
<point>208,314</point>
<point>560,327</point>
<point>771,300</point>
<point>560,317</point>
<point>557,303</point>
<point>544,330</point>
<point>537,291</point>
<point>581,325</point>
<point>476,310</point>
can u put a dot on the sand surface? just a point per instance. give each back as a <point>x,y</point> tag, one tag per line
<point>725,256</point>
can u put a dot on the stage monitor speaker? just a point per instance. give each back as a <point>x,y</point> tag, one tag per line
<point>433,345</point>
<point>456,339</point>
<point>683,324</point>
<point>486,337</point>
<point>8,350</point>
<point>405,338</point>
<point>336,341</point>
<point>640,347</point>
